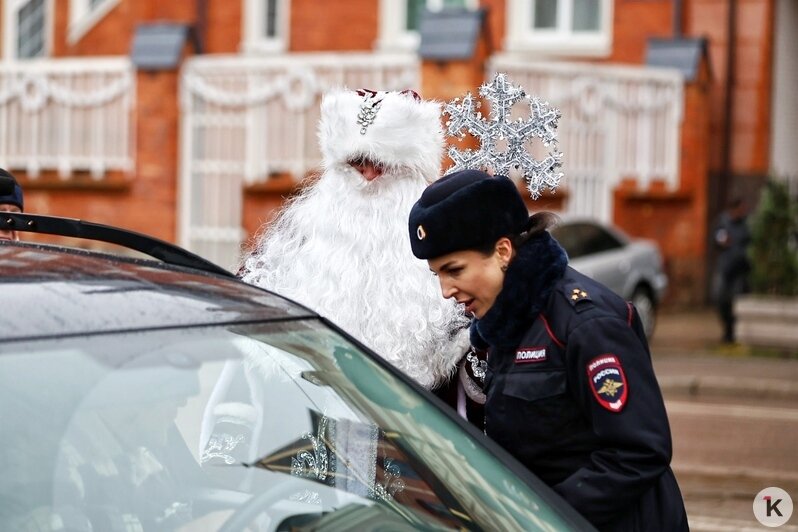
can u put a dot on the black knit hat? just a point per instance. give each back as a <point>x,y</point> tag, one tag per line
<point>10,191</point>
<point>468,209</point>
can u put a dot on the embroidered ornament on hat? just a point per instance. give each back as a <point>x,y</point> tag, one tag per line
<point>368,109</point>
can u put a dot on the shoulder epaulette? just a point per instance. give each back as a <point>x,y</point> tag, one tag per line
<point>577,296</point>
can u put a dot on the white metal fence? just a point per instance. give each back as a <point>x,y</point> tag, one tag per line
<point>67,115</point>
<point>617,122</point>
<point>245,119</point>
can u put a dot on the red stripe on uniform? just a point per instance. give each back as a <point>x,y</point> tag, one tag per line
<point>551,334</point>
<point>631,313</point>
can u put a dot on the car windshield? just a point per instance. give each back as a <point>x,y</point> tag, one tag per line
<point>271,426</point>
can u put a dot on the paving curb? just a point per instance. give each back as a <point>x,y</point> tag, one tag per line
<point>718,498</point>
<point>701,523</point>
<point>741,475</point>
<point>714,386</point>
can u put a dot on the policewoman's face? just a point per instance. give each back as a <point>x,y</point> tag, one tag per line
<point>473,278</point>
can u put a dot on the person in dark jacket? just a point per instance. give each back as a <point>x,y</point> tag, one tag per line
<point>569,386</point>
<point>732,238</point>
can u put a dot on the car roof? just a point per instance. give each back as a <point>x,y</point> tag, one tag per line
<point>577,219</point>
<point>53,291</point>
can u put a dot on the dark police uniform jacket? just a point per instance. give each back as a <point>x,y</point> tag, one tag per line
<point>571,393</point>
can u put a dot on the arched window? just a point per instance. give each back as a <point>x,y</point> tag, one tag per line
<point>84,14</point>
<point>560,27</point>
<point>399,21</point>
<point>27,28</point>
<point>265,25</point>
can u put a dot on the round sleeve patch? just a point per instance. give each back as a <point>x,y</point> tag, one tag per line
<point>608,382</point>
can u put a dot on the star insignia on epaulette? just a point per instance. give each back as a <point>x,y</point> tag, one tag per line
<point>578,294</point>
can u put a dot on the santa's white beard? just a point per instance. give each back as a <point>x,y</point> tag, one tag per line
<point>342,249</point>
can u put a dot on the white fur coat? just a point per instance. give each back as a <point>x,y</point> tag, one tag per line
<point>341,247</point>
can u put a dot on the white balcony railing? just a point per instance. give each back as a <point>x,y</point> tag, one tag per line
<point>617,122</point>
<point>245,119</point>
<point>67,115</point>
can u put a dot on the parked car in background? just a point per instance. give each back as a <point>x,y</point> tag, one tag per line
<point>146,395</point>
<point>633,268</point>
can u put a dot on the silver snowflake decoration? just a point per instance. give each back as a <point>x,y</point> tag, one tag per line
<point>542,123</point>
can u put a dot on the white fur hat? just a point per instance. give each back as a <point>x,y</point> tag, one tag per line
<point>405,131</point>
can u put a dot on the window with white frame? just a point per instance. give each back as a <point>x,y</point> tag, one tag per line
<point>399,21</point>
<point>560,27</point>
<point>27,28</point>
<point>85,14</point>
<point>265,25</point>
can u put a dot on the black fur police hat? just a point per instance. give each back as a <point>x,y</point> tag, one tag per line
<point>468,209</point>
<point>10,191</point>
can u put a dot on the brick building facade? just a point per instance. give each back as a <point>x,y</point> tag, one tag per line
<point>725,146</point>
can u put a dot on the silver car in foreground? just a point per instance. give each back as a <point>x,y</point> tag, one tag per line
<point>632,268</point>
<point>140,395</point>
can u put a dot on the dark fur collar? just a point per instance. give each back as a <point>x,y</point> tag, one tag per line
<point>527,284</point>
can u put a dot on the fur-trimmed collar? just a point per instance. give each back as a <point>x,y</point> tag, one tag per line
<point>527,284</point>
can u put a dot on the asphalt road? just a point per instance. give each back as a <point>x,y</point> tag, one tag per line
<point>734,420</point>
<point>724,454</point>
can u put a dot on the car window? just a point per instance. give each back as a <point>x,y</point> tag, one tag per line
<point>269,426</point>
<point>580,239</point>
